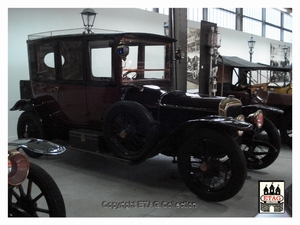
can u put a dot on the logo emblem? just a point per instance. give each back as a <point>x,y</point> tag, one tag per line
<point>271,197</point>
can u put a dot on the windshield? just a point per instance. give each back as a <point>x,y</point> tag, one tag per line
<point>147,62</point>
<point>253,77</point>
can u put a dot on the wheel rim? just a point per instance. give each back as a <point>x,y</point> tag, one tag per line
<point>211,169</point>
<point>259,151</point>
<point>28,200</point>
<point>128,133</point>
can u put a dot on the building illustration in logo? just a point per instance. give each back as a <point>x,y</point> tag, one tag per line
<point>271,197</point>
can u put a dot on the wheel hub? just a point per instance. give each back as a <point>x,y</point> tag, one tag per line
<point>203,167</point>
<point>123,134</point>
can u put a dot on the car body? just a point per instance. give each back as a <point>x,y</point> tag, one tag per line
<point>118,87</point>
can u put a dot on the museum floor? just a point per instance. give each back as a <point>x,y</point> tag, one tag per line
<point>93,185</point>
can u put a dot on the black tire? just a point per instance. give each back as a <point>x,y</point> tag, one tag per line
<point>37,196</point>
<point>212,165</point>
<point>262,147</point>
<point>286,129</point>
<point>30,126</point>
<point>128,129</point>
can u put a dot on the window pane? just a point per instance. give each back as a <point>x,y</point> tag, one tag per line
<point>155,60</point>
<point>101,60</point>
<point>253,13</point>
<point>132,58</point>
<point>194,14</point>
<point>273,16</point>
<point>71,55</point>
<point>252,26</point>
<point>222,18</point>
<point>230,9</point>
<point>273,33</point>
<point>45,62</point>
<point>287,21</point>
<point>164,11</point>
<point>287,36</point>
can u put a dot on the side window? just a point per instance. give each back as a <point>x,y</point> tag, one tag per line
<point>101,60</point>
<point>71,60</point>
<point>155,60</point>
<point>132,58</point>
<point>45,68</point>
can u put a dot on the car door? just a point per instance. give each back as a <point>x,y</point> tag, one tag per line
<point>102,88</point>
<point>43,74</point>
<point>71,86</point>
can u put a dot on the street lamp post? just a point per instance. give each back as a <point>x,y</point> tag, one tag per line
<point>251,45</point>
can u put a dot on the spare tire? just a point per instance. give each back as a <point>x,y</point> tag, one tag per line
<point>129,130</point>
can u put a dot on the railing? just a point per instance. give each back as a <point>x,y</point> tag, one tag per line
<point>68,32</point>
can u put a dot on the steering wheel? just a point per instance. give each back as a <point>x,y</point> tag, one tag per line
<point>126,75</point>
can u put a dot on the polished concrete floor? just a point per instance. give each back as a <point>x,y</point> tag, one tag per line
<point>94,186</point>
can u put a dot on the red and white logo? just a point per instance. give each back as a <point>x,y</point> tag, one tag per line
<point>271,196</point>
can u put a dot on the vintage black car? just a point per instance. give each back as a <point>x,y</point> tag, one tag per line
<point>255,83</point>
<point>112,94</point>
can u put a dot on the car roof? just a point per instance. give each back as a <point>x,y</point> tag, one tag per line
<point>73,33</point>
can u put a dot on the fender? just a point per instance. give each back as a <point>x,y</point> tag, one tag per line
<point>170,142</point>
<point>252,108</point>
<point>26,104</point>
<point>224,122</point>
<point>38,106</point>
<point>277,119</point>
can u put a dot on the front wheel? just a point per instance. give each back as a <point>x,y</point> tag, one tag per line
<point>262,146</point>
<point>37,196</point>
<point>212,165</point>
<point>286,130</point>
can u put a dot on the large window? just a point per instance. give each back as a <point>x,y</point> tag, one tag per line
<point>272,32</point>
<point>255,13</point>
<point>266,22</point>
<point>273,16</point>
<point>252,26</point>
<point>224,18</point>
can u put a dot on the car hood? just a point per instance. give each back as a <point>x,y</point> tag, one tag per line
<point>154,96</point>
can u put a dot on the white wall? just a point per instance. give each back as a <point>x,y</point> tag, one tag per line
<point>25,21</point>
<point>235,43</point>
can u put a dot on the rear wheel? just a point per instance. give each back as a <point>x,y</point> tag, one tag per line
<point>212,165</point>
<point>30,126</point>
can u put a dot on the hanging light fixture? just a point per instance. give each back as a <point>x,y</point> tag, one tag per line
<point>214,38</point>
<point>88,18</point>
<point>166,28</point>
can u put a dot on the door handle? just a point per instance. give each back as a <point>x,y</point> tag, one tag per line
<point>56,89</point>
